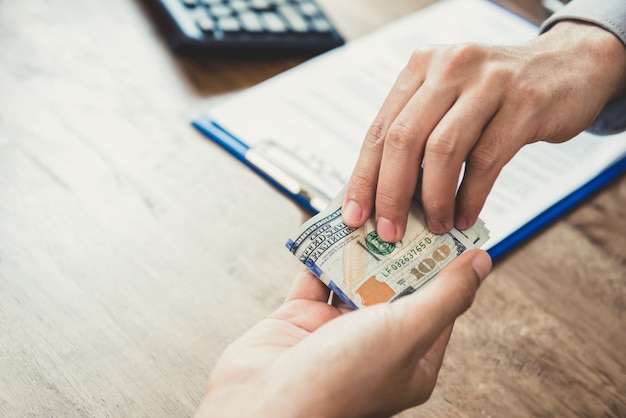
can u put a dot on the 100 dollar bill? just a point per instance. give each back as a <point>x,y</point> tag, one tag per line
<point>362,269</point>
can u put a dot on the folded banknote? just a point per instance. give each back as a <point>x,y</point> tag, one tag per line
<point>362,269</point>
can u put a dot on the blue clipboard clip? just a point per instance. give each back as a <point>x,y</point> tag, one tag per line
<point>296,188</point>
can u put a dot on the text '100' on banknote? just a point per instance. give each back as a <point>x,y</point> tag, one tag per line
<point>364,270</point>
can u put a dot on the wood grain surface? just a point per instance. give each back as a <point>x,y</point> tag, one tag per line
<point>132,250</point>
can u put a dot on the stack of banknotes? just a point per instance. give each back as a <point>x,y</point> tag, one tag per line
<point>364,270</point>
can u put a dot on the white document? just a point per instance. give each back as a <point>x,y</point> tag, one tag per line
<point>310,121</point>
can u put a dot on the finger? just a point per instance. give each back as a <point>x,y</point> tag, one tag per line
<point>307,286</point>
<point>424,315</point>
<point>402,156</point>
<point>446,150</point>
<point>359,201</point>
<point>503,137</point>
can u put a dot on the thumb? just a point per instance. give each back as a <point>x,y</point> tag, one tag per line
<point>424,315</point>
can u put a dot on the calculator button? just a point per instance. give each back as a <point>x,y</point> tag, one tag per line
<point>239,5</point>
<point>260,4</point>
<point>219,10</point>
<point>295,20</point>
<point>309,9</point>
<point>321,25</point>
<point>250,22</point>
<point>204,22</point>
<point>229,24</point>
<point>273,23</point>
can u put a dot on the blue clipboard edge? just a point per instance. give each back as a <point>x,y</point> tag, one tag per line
<point>524,18</point>
<point>238,149</point>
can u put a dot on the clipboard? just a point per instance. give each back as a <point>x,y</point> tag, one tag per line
<point>235,124</point>
<point>296,189</point>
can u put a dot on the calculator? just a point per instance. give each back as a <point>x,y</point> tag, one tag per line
<point>255,28</point>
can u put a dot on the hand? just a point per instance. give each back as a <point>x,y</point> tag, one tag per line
<point>310,358</point>
<point>477,105</point>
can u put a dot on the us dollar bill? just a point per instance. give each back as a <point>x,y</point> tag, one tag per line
<point>364,270</point>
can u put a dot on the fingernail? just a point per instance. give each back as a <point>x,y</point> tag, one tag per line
<point>462,223</point>
<point>482,266</point>
<point>386,229</point>
<point>351,213</point>
<point>436,226</point>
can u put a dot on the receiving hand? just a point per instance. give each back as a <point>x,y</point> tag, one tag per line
<point>477,105</point>
<point>310,358</point>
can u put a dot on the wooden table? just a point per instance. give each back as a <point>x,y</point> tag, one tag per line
<point>132,250</point>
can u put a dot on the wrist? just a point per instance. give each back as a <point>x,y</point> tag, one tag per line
<point>596,51</point>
